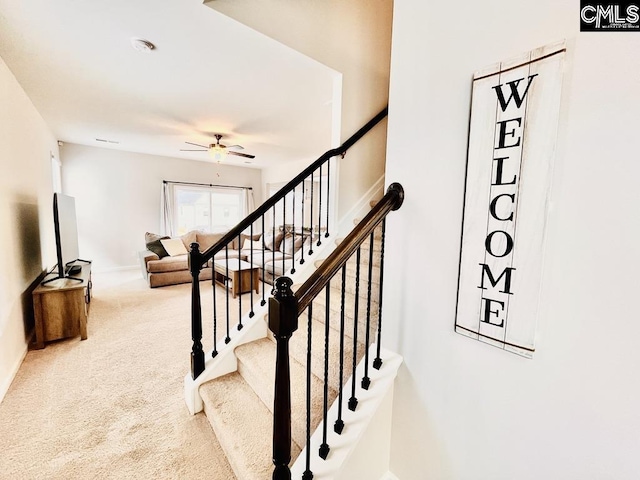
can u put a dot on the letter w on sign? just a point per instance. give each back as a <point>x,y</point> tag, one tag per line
<point>515,94</point>
<point>514,117</point>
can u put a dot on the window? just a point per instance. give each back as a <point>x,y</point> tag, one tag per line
<point>209,209</point>
<point>288,208</point>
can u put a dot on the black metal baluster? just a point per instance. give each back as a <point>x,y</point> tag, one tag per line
<point>226,284</point>
<point>366,381</point>
<point>302,214</point>
<point>215,312</point>
<point>308,475</point>
<point>377,363</point>
<point>251,313</point>
<point>264,272</point>
<point>324,448</point>
<point>319,206</point>
<point>293,228</point>
<point>273,252</point>
<point>311,219</point>
<point>239,286</point>
<point>353,401</point>
<point>326,234</point>
<point>339,425</point>
<point>284,230</point>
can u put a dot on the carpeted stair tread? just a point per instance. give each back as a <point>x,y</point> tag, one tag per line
<point>335,298</point>
<point>349,333</point>
<point>335,305</point>
<point>243,425</point>
<point>364,260</point>
<point>350,279</point>
<point>256,363</point>
<point>298,350</point>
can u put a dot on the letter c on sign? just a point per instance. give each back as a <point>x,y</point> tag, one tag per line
<point>508,248</point>
<point>583,14</point>
<point>492,206</point>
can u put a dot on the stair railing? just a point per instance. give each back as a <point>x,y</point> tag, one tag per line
<point>285,308</point>
<point>229,258</point>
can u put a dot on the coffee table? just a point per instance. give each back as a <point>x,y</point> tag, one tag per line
<point>243,276</point>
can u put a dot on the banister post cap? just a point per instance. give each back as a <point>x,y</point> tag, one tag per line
<point>399,191</point>
<point>194,258</point>
<point>283,309</point>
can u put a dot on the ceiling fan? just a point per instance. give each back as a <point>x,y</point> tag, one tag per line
<point>217,150</point>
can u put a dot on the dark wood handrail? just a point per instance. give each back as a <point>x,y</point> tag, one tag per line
<point>270,202</point>
<point>318,280</point>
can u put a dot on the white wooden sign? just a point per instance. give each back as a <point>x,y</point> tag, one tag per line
<point>512,136</point>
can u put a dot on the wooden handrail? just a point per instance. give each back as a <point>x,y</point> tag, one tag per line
<point>318,280</point>
<point>270,202</point>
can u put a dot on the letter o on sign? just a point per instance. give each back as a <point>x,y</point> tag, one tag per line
<point>488,243</point>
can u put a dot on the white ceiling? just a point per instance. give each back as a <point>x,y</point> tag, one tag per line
<point>208,74</point>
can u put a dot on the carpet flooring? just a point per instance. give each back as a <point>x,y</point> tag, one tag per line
<point>112,406</point>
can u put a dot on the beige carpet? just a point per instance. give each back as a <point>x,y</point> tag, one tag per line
<point>112,406</point>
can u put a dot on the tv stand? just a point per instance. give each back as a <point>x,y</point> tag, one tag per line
<point>61,307</point>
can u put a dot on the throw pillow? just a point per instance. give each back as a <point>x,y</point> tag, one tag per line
<point>251,245</point>
<point>188,239</point>
<point>271,242</point>
<point>207,240</point>
<point>174,246</point>
<point>290,245</point>
<point>153,244</point>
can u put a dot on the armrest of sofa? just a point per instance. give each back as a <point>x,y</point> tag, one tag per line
<point>145,257</point>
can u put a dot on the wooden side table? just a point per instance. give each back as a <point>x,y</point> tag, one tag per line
<point>244,276</point>
<point>61,308</point>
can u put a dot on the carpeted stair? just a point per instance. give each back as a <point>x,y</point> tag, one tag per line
<point>239,405</point>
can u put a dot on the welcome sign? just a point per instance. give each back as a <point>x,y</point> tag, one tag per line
<point>512,136</point>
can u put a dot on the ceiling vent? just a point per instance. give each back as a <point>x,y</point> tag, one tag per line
<point>141,45</point>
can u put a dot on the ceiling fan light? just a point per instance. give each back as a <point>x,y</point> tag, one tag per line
<point>217,153</point>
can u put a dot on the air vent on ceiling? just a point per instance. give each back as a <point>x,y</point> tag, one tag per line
<point>141,45</point>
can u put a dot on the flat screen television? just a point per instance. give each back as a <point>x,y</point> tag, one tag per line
<point>66,230</point>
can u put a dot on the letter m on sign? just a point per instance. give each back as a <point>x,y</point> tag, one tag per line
<point>498,295</point>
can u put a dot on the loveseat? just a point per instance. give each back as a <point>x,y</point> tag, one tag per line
<point>165,261</point>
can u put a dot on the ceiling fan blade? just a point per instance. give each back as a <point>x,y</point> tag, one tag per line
<point>197,145</point>
<point>241,154</point>
<point>185,150</point>
<point>236,146</point>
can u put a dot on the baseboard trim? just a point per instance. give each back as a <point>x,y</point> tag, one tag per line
<point>27,314</point>
<point>4,388</point>
<point>125,268</point>
<point>389,476</point>
<point>361,208</point>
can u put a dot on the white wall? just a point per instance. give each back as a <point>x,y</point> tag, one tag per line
<point>352,38</point>
<point>464,409</point>
<point>118,196</point>
<point>26,217</point>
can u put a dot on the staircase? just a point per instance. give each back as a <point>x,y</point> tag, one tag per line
<point>323,367</point>
<point>239,405</point>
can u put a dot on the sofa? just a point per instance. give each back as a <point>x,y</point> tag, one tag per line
<point>165,261</point>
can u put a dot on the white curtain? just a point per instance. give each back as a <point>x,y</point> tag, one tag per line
<point>248,201</point>
<point>249,206</point>
<point>166,209</point>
